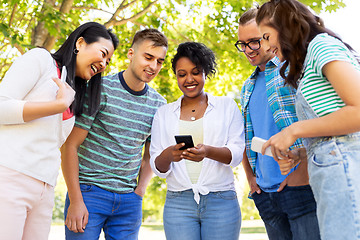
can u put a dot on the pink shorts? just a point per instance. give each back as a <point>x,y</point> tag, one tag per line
<point>25,206</point>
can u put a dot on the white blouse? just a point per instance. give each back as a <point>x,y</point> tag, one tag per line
<point>223,127</point>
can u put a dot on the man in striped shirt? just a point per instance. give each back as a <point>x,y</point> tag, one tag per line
<point>285,202</point>
<point>105,160</point>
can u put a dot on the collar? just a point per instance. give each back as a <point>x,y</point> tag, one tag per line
<point>127,88</point>
<point>274,62</point>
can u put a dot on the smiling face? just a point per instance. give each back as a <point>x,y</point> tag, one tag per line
<point>191,80</point>
<point>271,40</point>
<point>92,58</point>
<point>250,32</point>
<point>146,60</point>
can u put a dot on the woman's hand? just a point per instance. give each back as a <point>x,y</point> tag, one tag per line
<point>196,154</point>
<point>280,144</point>
<point>169,155</point>
<point>65,95</point>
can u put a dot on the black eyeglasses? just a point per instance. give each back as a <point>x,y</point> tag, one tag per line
<point>253,45</point>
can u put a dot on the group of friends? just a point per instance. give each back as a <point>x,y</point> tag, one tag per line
<point>115,131</point>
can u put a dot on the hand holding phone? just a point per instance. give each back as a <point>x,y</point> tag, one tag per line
<point>187,139</point>
<point>256,146</point>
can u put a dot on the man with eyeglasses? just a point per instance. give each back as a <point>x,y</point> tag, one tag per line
<point>285,202</point>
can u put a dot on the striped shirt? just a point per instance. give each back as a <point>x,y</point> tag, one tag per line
<point>281,99</point>
<point>111,155</point>
<point>315,87</point>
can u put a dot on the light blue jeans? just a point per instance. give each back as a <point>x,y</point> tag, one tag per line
<point>216,217</point>
<point>118,214</point>
<point>334,171</point>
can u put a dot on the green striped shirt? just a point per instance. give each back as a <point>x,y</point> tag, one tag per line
<point>111,154</point>
<point>316,88</point>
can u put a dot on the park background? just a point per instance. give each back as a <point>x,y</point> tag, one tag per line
<point>25,24</point>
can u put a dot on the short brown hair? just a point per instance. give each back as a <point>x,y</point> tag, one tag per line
<point>154,35</point>
<point>248,16</point>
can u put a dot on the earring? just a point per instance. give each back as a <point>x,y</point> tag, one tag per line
<point>76,51</point>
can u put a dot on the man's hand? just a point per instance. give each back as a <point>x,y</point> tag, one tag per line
<point>295,156</point>
<point>253,185</point>
<point>77,217</point>
<point>139,191</point>
<point>300,176</point>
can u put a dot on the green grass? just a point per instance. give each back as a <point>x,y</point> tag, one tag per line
<point>253,230</point>
<point>153,227</point>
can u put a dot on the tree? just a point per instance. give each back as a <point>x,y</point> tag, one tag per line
<point>46,23</point>
<point>25,24</point>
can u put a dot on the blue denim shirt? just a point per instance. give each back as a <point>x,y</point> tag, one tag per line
<point>281,100</point>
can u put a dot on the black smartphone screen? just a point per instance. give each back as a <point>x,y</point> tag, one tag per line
<point>187,139</point>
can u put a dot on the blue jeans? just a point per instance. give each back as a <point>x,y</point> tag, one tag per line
<point>289,214</point>
<point>119,215</point>
<point>334,165</point>
<point>217,217</point>
<point>334,170</point>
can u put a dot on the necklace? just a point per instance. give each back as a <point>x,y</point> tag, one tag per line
<point>192,118</point>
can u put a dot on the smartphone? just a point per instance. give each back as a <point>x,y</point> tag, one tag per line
<point>187,139</point>
<point>256,146</point>
<point>63,74</point>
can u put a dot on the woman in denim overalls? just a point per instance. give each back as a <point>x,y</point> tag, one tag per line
<point>327,76</point>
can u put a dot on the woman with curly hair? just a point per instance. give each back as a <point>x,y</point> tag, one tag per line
<point>201,201</point>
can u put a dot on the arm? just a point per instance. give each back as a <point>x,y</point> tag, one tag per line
<point>346,81</point>
<point>234,140</point>
<point>250,175</point>
<point>145,173</point>
<point>20,80</point>
<point>168,155</point>
<point>162,155</point>
<point>77,215</point>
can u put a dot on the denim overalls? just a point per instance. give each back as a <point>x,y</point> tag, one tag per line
<point>334,172</point>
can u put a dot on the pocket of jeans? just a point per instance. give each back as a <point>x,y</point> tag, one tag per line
<point>227,195</point>
<point>85,188</point>
<point>171,194</point>
<point>326,157</point>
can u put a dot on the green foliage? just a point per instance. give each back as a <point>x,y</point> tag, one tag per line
<point>154,200</point>
<point>60,193</point>
<point>212,22</point>
<point>248,208</point>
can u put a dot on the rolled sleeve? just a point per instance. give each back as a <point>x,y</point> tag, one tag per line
<point>11,111</point>
<point>236,136</point>
<point>156,146</point>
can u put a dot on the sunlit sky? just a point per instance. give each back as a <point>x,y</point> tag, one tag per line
<point>346,23</point>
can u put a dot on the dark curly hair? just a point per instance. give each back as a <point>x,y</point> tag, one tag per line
<point>296,26</point>
<point>203,57</point>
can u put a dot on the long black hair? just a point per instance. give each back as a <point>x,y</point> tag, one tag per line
<point>65,56</point>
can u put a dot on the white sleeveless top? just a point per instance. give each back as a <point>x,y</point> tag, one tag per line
<point>195,129</point>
